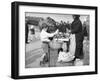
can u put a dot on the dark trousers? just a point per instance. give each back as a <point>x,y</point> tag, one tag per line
<point>79,48</point>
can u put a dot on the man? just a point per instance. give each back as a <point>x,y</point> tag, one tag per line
<point>76,28</point>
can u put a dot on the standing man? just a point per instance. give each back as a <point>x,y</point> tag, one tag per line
<point>76,28</point>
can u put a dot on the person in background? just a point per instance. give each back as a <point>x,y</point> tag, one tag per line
<point>32,30</point>
<point>26,32</point>
<point>30,33</point>
<point>87,26</point>
<point>85,34</point>
<point>62,27</point>
<point>76,28</point>
<point>85,43</point>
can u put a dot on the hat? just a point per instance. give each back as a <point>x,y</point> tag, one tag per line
<point>76,15</point>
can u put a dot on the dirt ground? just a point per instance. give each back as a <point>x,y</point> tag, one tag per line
<point>34,54</point>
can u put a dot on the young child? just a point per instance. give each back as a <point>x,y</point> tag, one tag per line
<point>65,56</point>
<point>44,35</point>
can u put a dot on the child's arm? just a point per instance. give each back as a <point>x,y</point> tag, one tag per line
<point>52,34</point>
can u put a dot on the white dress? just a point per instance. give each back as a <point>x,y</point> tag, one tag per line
<point>65,57</point>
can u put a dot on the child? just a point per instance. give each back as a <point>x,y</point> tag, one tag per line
<point>44,35</point>
<point>65,56</point>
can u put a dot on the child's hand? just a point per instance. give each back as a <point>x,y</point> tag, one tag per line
<point>57,31</point>
<point>69,31</point>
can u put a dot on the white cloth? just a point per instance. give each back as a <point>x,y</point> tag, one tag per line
<point>65,57</point>
<point>78,62</point>
<point>72,46</point>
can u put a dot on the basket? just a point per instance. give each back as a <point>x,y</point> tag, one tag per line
<point>54,44</point>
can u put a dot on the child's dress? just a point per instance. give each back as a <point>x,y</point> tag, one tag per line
<point>65,57</point>
<point>68,56</point>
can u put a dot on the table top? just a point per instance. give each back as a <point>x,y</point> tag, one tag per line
<point>62,39</point>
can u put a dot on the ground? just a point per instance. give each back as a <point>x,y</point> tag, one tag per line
<point>34,54</point>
